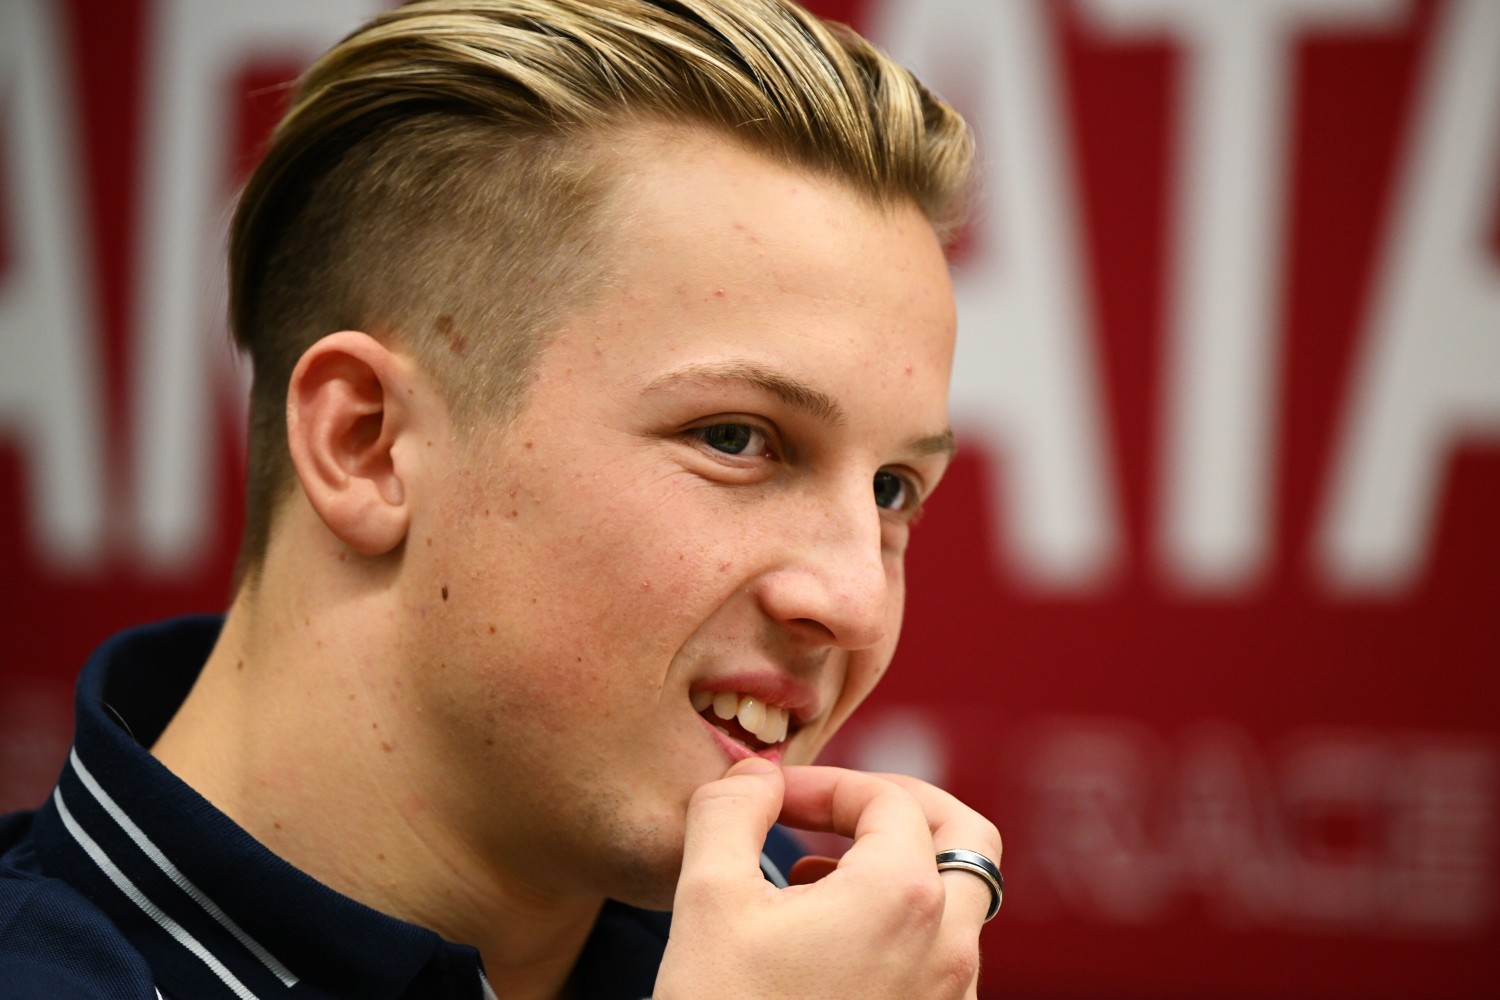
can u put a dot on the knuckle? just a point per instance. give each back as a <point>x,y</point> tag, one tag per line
<point>954,966</point>
<point>921,896</point>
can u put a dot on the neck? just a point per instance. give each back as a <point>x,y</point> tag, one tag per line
<point>294,729</point>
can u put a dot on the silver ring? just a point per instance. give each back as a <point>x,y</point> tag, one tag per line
<point>976,864</point>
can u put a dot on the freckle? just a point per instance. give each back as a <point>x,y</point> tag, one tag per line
<point>442,666</point>
<point>445,593</point>
<point>492,630</point>
<point>533,600</point>
<point>429,444</point>
<point>318,644</point>
<point>351,695</point>
<point>276,825</point>
<point>489,741</point>
<point>411,392</point>
<point>429,541</point>
<point>515,513</point>
<point>374,725</point>
<point>343,557</point>
<point>528,445</point>
<point>486,512</point>
<point>380,857</point>
<point>239,665</point>
<point>385,745</point>
<point>579,659</point>
<point>306,620</point>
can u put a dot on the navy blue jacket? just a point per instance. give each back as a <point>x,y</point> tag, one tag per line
<point>127,883</point>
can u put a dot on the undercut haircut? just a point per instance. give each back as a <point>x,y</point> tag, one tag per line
<point>441,178</point>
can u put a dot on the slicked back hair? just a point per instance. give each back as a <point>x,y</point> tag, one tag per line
<point>439,178</point>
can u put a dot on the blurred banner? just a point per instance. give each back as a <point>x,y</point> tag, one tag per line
<point>1207,615</point>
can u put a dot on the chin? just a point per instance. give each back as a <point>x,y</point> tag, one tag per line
<point>647,883</point>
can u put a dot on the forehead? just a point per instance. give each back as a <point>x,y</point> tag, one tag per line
<point>710,242</point>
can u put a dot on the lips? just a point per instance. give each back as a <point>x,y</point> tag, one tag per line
<point>765,724</point>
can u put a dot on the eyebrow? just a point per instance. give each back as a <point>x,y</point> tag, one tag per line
<point>941,443</point>
<point>791,391</point>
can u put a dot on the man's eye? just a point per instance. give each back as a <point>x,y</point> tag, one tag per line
<point>890,491</point>
<point>731,439</point>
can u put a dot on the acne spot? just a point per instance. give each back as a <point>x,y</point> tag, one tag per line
<point>718,293</point>
<point>724,566</point>
<point>908,369</point>
<point>445,592</point>
<point>645,584</point>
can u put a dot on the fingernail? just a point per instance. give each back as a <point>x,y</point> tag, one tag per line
<point>753,765</point>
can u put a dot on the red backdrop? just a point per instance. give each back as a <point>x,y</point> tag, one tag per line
<point>1206,617</point>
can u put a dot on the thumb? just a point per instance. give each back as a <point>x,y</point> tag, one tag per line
<point>727,822</point>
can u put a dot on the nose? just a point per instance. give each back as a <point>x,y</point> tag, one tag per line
<point>833,583</point>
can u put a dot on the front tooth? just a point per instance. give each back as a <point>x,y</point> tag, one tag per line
<point>726,704</point>
<point>752,712</point>
<point>702,699</point>
<point>776,719</point>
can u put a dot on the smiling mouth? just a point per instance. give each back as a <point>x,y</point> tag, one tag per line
<point>743,718</point>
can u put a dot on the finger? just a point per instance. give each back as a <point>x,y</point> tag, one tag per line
<point>852,803</point>
<point>811,868</point>
<point>956,826</point>
<point>727,822</point>
<point>952,823</point>
<point>891,857</point>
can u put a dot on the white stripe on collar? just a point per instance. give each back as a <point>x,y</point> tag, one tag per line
<point>136,896</point>
<point>769,869</point>
<point>153,852</point>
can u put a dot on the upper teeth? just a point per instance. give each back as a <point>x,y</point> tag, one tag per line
<point>766,722</point>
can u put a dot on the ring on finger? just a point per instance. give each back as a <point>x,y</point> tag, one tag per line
<point>976,864</point>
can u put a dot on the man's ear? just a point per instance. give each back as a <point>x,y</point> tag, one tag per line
<point>348,403</point>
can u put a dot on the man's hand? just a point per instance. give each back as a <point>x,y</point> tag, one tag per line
<point>881,922</point>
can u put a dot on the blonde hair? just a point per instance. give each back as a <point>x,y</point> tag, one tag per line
<point>439,176</point>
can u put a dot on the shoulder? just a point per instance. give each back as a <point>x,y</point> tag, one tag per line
<point>54,943</point>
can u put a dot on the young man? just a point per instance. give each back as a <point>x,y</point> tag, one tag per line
<point>601,353</point>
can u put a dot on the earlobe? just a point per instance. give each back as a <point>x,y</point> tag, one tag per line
<point>346,411</point>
